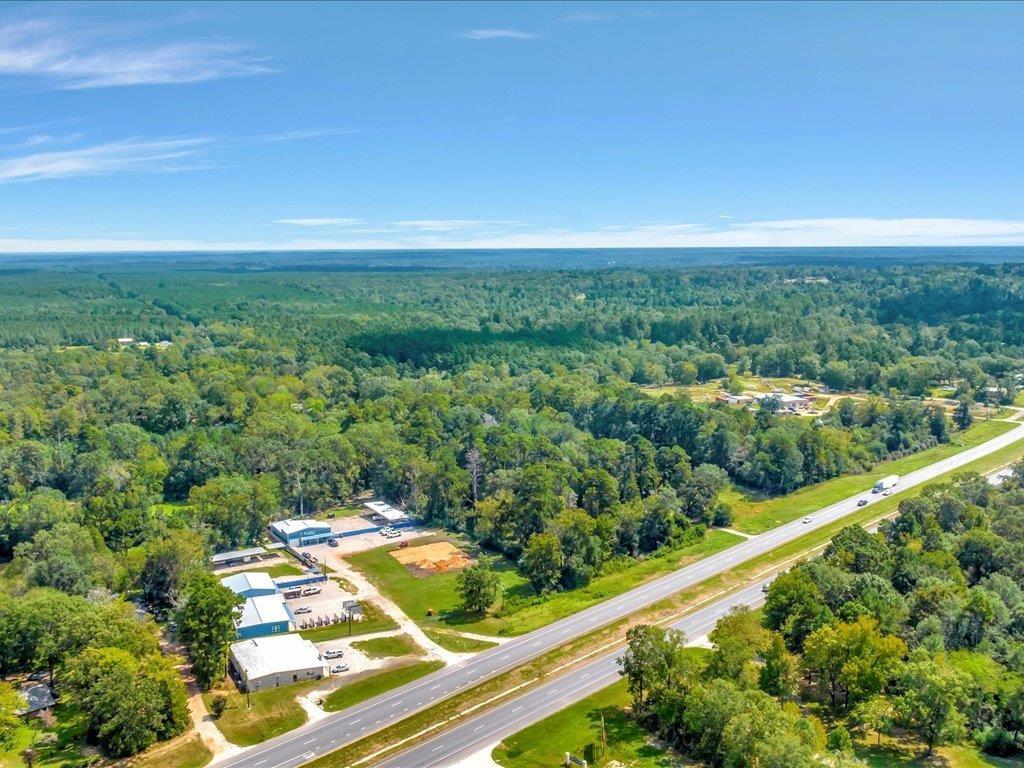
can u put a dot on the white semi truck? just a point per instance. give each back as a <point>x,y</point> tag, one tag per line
<point>886,484</point>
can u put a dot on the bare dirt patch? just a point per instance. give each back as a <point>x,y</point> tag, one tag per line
<point>428,559</point>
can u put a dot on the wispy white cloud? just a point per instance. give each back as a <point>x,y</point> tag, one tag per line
<point>298,135</point>
<point>326,222</point>
<point>74,55</point>
<point>495,34</point>
<point>784,233</point>
<point>128,155</point>
<point>451,225</point>
<point>119,156</point>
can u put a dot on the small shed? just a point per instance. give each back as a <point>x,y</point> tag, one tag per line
<point>38,697</point>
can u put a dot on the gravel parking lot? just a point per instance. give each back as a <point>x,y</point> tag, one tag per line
<point>327,603</point>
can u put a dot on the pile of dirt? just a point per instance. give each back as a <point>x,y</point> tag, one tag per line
<point>427,559</point>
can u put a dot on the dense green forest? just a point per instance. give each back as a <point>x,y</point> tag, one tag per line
<point>917,630</point>
<point>511,406</point>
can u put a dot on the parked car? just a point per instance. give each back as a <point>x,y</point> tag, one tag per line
<point>334,653</point>
<point>332,542</point>
<point>311,591</point>
<point>862,502</point>
<point>403,545</point>
<point>302,609</point>
<point>339,668</point>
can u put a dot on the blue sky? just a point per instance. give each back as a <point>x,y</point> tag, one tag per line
<point>169,126</point>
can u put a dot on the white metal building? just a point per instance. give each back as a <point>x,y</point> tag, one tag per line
<point>386,511</point>
<point>268,662</point>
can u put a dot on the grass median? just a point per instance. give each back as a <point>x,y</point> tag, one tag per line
<point>577,729</point>
<point>493,691</point>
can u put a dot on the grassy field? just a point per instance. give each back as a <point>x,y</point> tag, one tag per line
<point>544,744</point>
<point>437,594</point>
<point>351,511</point>
<point>64,752</point>
<point>451,641</point>
<point>267,714</point>
<point>183,752</point>
<point>278,569</point>
<point>374,620</point>
<point>756,514</point>
<point>415,594</point>
<point>382,647</point>
<point>371,685</point>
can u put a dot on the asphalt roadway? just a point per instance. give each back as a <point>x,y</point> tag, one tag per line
<point>487,729</point>
<point>336,730</point>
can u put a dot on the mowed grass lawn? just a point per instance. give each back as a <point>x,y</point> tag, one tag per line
<point>370,685</point>
<point>70,730</point>
<point>184,752</point>
<point>756,514</point>
<point>278,569</point>
<point>416,594</point>
<point>265,715</point>
<point>544,744</point>
<point>381,647</point>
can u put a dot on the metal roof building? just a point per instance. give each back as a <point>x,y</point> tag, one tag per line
<point>264,615</point>
<point>386,511</point>
<point>240,555</point>
<point>250,583</point>
<point>301,532</point>
<point>269,662</point>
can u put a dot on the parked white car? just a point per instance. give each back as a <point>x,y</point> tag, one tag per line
<point>339,668</point>
<point>333,653</point>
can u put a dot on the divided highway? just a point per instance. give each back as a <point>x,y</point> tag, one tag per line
<point>487,729</point>
<point>341,728</point>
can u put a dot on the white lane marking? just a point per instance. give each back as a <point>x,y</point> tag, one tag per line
<point>310,741</point>
<point>436,687</point>
<point>439,746</point>
<point>482,725</point>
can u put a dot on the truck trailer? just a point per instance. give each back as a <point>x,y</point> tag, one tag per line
<point>886,484</point>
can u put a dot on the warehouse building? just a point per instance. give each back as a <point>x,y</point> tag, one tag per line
<point>301,533</point>
<point>264,615</point>
<point>269,662</point>
<point>250,584</point>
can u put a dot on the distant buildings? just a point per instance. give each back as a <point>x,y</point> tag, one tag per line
<point>269,662</point>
